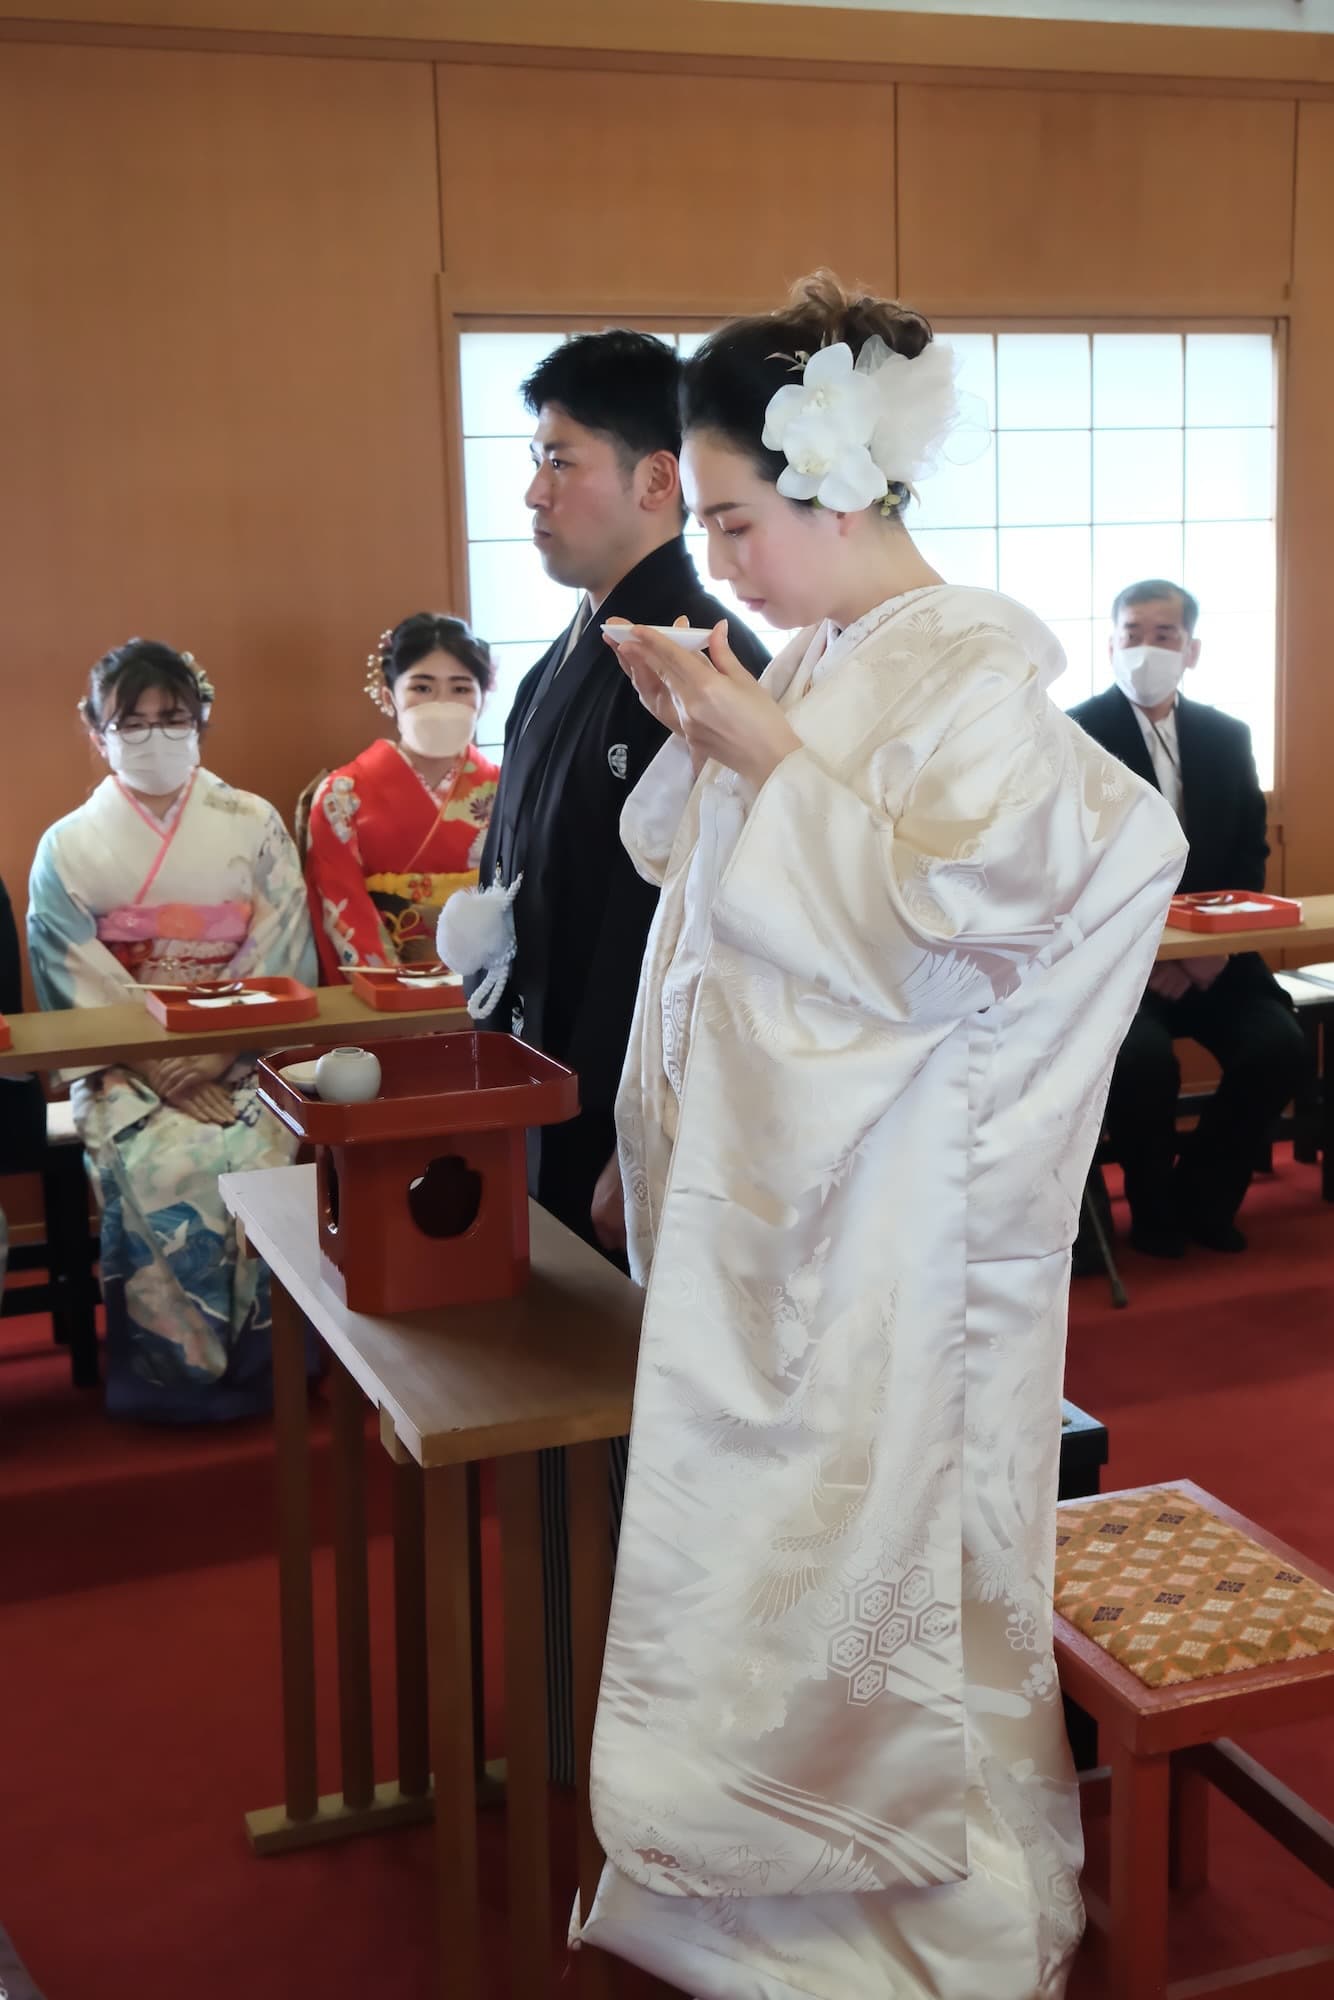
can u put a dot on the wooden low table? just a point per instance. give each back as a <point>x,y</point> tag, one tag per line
<point>555,1366</point>
<point>93,1037</point>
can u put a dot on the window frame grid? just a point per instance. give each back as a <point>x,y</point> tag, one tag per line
<point>457,324</point>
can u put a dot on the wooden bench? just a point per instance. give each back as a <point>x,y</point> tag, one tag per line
<point>1165,1745</point>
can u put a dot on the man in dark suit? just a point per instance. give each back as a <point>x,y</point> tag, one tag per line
<point>607,519</point>
<point>1201,760</point>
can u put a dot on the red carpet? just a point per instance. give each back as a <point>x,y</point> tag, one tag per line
<point>1221,1370</point>
<point>138,1651</point>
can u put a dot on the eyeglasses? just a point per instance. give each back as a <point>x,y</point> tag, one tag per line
<point>139,732</point>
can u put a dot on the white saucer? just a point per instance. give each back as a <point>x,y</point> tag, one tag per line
<point>301,1076</point>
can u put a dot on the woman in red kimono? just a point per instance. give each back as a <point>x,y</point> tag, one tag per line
<point>394,833</point>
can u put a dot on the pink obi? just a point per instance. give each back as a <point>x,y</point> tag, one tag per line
<point>204,923</point>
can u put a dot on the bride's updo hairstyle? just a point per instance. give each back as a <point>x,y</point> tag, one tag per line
<point>728,383</point>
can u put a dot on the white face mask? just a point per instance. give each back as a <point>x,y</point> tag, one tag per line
<point>1147,675</point>
<point>437,728</point>
<point>156,766</point>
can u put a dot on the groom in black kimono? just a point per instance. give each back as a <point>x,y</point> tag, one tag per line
<point>607,520</point>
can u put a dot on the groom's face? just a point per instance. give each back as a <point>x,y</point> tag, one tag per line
<point>584,502</point>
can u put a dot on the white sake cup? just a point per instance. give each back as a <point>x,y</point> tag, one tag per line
<point>695,638</point>
<point>347,1076</point>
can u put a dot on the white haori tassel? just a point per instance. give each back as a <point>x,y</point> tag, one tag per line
<point>476,934</point>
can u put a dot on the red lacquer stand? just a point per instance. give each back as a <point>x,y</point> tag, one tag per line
<point>423,1192</point>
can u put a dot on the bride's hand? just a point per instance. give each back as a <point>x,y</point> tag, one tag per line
<point>651,691</point>
<point>724,714</point>
<point>608,1207</point>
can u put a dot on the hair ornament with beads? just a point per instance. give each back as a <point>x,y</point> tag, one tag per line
<point>207,691</point>
<point>377,683</point>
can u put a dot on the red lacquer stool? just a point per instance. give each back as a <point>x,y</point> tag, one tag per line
<point>1178,1625</point>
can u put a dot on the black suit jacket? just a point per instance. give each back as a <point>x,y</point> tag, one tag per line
<point>1222,805</point>
<point>575,747</point>
<point>1223,808</point>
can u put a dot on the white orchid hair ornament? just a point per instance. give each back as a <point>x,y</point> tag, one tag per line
<point>854,432</point>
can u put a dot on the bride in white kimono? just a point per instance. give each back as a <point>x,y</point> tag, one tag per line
<point>167,874</point>
<point>907,911</point>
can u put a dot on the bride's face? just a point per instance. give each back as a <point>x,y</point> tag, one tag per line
<point>780,558</point>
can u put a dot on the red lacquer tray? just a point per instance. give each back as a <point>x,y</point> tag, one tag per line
<point>430,1086</point>
<point>1233,910</point>
<point>179,1007</point>
<point>398,991</point>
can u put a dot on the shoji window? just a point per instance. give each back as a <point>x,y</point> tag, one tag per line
<point>1116,456</point>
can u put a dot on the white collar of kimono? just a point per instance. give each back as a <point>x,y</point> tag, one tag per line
<point>1001,612</point>
<point>806,667</point>
<point>447,785</point>
<point>845,639</point>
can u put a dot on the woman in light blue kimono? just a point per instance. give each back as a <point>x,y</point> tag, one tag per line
<point>167,875</point>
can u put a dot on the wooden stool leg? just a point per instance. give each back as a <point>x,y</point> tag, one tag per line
<point>449,1652</point>
<point>1137,1944</point>
<point>590,1604</point>
<point>294,1580</point>
<point>478,1629</point>
<point>1189,1844</point>
<point>527,1820</point>
<point>353,1592</point>
<point>414,1756</point>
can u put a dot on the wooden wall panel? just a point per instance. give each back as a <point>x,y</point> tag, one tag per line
<point>611,190</point>
<point>1048,201</point>
<point>853,35</point>
<point>219,381</point>
<point>219,396</point>
<point>1306,712</point>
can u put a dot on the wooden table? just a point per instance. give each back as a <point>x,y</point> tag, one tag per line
<point>1315,932</point>
<point>76,1037</point>
<point>452,1387</point>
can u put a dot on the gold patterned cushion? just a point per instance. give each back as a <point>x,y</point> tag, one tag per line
<point>1175,1594</point>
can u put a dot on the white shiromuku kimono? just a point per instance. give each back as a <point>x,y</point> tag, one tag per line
<point>874,1034</point>
<point>120,898</point>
